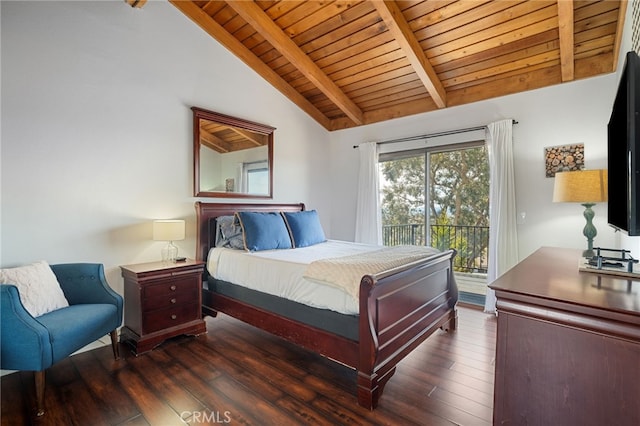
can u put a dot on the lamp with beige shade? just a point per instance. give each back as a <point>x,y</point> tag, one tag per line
<point>586,187</point>
<point>168,230</point>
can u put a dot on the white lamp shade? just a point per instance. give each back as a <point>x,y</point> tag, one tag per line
<point>168,230</point>
<point>584,186</point>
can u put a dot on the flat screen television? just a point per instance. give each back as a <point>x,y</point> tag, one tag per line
<point>623,150</point>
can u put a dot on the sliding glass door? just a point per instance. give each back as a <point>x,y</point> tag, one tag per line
<point>403,199</point>
<point>440,197</point>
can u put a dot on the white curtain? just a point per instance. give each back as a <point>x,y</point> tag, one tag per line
<point>368,216</point>
<point>503,239</point>
<point>241,184</point>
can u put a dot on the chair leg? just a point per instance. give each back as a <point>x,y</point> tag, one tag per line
<point>114,344</point>
<point>39,376</point>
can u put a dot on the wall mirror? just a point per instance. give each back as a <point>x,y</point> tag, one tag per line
<point>232,158</point>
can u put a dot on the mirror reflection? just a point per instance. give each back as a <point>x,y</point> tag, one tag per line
<point>232,157</point>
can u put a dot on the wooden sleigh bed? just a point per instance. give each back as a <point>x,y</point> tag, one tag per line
<point>398,309</point>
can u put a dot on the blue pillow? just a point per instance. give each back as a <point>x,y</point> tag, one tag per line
<point>305,228</point>
<point>264,231</point>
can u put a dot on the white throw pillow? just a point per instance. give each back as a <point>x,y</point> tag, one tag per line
<point>38,286</point>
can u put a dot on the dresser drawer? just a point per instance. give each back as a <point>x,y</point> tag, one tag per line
<point>165,318</point>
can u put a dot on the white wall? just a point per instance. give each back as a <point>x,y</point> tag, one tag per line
<point>575,112</point>
<point>97,133</point>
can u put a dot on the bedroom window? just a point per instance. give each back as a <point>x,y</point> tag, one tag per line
<point>439,196</point>
<point>256,176</point>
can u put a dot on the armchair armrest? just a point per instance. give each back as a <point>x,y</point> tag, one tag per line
<point>86,283</point>
<point>24,342</point>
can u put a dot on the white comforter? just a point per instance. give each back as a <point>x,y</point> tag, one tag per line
<point>345,272</point>
<point>281,273</point>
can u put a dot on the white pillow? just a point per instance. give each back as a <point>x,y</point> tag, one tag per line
<point>38,286</point>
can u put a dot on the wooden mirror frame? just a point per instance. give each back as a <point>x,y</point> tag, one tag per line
<point>202,114</point>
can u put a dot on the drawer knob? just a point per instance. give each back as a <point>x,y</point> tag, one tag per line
<point>173,300</point>
<point>174,316</point>
<point>173,288</point>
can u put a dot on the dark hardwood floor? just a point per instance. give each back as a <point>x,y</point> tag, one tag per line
<point>237,374</point>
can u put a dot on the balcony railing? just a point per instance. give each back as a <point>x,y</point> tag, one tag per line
<point>472,242</point>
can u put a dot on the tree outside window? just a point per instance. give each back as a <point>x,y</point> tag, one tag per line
<point>438,198</point>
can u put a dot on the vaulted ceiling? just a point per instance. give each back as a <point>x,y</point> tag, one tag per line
<point>349,63</point>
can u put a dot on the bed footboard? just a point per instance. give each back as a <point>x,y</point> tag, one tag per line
<point>399,309</point>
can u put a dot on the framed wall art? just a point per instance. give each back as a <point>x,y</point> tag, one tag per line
<point>564,158</point>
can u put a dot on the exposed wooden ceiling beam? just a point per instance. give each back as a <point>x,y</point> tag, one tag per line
<point>254,138</point>
<point>223,37</point>
<point>214,142</point>
<point>136,3</point>
<point>398,26</point>
<point>260,21</point>
<point>622,11</point>
<point>565,28</point>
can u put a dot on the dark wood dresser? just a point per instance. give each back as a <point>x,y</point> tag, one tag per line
<point>568,344</point>
<point>161,300</point>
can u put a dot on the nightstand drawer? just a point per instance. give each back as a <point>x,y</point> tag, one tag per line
<point>165,300</point>
<point>165,318</point>
<point>171,287</point>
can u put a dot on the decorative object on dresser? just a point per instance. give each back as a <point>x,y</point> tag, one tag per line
<point>168,230</point>
<point>161,301</point>
<point>586,187</point>
<point>617,262</point>
<point>568,344</point>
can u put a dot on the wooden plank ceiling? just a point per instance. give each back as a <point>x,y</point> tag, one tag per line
<point>224,139</point>
<point>349,63</point>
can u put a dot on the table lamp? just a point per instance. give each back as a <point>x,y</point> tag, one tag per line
<point>586,187</point>
<point>168,230</point>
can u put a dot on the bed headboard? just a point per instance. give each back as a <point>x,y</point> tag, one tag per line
<point>206,212</point>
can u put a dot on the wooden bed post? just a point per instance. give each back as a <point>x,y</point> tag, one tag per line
<point>371,374</point>
<point>368,393</point>
<point>452,324</point>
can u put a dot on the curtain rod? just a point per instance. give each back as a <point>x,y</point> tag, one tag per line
<point>433,135</point>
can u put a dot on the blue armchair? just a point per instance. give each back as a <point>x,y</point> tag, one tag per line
<point>36,343</point>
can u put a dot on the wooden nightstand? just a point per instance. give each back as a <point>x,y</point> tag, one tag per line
<point>161,300</point>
